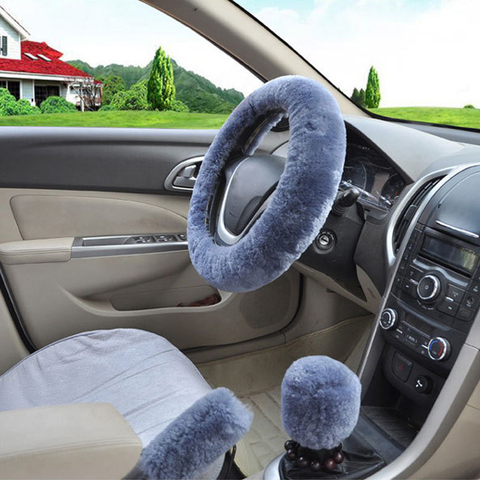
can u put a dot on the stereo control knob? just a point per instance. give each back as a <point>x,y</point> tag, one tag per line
<point>429,287</point>
<point>389,319</point>
<point>439,349</point>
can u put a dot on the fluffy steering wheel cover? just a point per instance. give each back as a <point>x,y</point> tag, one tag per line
<point>302,200</point>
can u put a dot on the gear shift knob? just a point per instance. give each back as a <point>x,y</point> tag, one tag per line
<point>320,402</point>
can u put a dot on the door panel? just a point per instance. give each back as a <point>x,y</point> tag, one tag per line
<point>62,214</point>
<point>58,299</point>
<point>103,159</point>
<point>70,179</point>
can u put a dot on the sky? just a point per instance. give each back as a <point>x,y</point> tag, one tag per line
<point>424,50</point>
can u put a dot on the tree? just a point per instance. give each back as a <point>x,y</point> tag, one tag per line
<point>90,92</point>
<point>358,97</point>
<point>372,94</point>
<point>111,86</point>
<point>161,89</point>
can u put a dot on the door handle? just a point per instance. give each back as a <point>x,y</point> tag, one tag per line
<point>184,176</point>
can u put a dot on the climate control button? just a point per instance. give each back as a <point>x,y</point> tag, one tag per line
<point>428,288</point>
<point>388,319</point>
<point>439,349</point>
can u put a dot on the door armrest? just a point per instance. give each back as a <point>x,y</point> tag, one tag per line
<point>78,441</point>
<point>36,251</point>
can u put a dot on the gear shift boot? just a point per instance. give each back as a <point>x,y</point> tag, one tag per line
<point>361,461</point>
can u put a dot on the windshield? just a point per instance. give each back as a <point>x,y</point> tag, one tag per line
<point>406,59</point>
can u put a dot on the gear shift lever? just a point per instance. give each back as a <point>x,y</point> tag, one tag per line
<point>320,408</point>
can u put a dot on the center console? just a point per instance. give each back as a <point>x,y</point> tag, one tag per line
<point>421,363</point>
<point>435,294</point>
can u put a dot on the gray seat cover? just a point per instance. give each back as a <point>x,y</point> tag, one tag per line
<point>147,379</point>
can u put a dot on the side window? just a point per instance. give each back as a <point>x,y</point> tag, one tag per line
<point>55,72</point>
<point>4,46</point>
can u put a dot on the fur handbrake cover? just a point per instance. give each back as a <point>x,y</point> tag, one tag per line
<point>198,437</point>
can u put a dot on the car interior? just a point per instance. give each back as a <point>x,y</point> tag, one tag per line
<point>93,238</point>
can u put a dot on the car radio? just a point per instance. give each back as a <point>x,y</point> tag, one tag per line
<point>434,298</point>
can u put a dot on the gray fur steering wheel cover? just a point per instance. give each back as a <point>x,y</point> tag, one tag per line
<point>304,196</point>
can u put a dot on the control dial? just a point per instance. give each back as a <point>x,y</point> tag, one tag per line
<point>428,288</point>
<point>389,319</point>
<point>439,349</point>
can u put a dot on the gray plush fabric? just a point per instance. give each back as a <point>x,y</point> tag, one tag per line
<point>320,402</point>
<point>147,379</point>
<point>207,430</point>
<point>303,198</point>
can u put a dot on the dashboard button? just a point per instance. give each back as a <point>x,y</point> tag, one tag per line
<point>410,287</point>
<point>411,247</point>
<point>401,367</point>
<point>414,273</point>
<point>398,280</point>
<point>411,339</point>
<point>455,293</point>
<point>415,235</point>
<point>474,287</point>
<point>465,314</point>
<point>449,307</point>
<point>476,276</point>
<point>429,287</point>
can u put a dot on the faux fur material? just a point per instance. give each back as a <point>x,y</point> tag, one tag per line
<point>320,402</point>
<point>304,196</point>
<point>198,437</point>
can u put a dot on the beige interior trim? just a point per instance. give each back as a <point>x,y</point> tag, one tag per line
<point>143,291</point>
<point>243,37</point>
<point>27,214</point>
<point>80,441</point>
<point>40,215</point>
<point>12,349</point>
<point>36,251</point>
<point>372,295</point>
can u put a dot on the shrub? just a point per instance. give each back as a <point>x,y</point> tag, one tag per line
<point>179,106</point>
<point>8,103</point>
<point>57,105</point>
<point>107,108</point>
<point>469,106</point>
<point>133,99</point>
<point>25,108</point>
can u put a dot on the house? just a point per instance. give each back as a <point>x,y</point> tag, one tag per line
<point>34,71</point>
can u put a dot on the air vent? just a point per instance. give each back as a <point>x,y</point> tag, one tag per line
<point>409,212</point>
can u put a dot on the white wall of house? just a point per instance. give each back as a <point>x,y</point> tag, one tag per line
<point>14,40</point>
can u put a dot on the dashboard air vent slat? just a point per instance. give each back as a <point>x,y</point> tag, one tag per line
<point>409,212</point>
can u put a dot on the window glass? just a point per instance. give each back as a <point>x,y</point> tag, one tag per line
<point>108,73</point>
<point>409,59</point>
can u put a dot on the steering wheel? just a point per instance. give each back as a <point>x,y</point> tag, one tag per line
<point>252,216</point>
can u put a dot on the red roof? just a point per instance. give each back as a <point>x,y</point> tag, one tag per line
<point>40,66</point>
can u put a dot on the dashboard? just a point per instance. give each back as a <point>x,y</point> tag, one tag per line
<point>379,183</point>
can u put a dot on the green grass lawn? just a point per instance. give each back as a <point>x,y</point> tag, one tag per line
<point>119,119</point>
<point>459,117</point>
